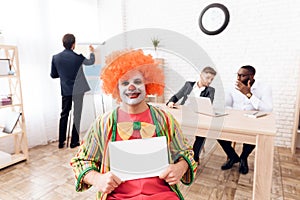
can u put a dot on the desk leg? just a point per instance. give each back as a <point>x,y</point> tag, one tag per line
<point>263,167</point>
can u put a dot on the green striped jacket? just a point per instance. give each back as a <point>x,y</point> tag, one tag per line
<point>93,154</point>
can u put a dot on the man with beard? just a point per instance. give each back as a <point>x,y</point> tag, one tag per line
<point>248,94</point>
<point>129,76</point>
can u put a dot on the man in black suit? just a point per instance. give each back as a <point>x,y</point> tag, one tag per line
<point>200,88</point>
<point>67,65</point>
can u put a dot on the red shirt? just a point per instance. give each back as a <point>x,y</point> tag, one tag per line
<point>145,188</point>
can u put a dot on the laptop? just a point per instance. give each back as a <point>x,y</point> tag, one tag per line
<point>138,158</point>
<point>203,106</point>
<point>11,121</point>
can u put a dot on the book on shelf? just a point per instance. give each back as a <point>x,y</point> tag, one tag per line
<point>5,100</point>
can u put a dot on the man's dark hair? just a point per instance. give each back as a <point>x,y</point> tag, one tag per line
<point>250,69</point>
<point>68,40</point>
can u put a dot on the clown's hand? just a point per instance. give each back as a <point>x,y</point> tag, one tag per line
<point>105,183</point>
<point>174,172</point>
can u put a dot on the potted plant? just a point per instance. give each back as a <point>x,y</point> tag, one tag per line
<point>160,61</point>
<point>155,42</point>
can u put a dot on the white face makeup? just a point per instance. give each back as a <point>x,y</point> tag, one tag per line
<point>132,88</point>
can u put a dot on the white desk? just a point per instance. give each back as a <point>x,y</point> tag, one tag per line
<point>239,128</point>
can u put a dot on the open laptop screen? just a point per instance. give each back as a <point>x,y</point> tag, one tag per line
<point>204,106</point>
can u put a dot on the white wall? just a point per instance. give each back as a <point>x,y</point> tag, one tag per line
<point>264,34</point>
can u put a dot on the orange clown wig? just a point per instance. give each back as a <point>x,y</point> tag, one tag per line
<point>120,62</point>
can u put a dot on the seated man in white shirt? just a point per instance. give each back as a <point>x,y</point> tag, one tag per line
<point>248,94</point>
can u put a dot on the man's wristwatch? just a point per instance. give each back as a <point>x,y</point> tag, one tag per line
<point>249,95</point>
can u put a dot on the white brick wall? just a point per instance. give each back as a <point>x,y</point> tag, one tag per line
<point>265,34</point>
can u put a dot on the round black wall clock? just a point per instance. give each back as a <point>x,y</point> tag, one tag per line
<point>214,19</point>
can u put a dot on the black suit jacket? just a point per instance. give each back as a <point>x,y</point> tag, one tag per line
<point>187,89</point>
<point>67,65</point>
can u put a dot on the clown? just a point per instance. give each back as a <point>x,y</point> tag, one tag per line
<point>129,76</point>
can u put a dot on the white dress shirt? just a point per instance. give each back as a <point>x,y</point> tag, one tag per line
<point>261,98</point>
<point>197,90</point>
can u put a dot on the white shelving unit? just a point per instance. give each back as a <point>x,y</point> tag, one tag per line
<point>13,81</point>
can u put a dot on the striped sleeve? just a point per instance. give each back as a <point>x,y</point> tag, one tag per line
<point>90,153</point>
<point>180,148</point>
<point>178,144</point>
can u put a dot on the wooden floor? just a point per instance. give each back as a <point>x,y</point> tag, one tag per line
<point>48,176</point>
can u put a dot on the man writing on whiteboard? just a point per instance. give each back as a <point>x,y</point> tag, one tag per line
<point>67,65</point>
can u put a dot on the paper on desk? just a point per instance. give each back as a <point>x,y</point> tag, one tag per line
<point>138,158</point>
<point>255,114</point>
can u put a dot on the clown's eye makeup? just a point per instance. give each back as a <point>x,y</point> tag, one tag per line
<point>125,83</point>
<point>138,81</point>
